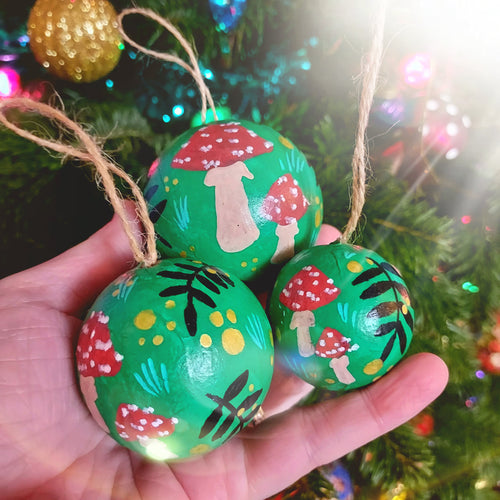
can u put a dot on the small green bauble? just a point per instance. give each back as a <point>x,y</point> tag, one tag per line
<point>342,316</point>
<point>237,194</point>
<point>175,359</point>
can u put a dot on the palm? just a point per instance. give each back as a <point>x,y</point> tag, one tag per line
<point>50,445</point>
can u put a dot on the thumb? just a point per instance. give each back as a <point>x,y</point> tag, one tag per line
<point>70,281</point>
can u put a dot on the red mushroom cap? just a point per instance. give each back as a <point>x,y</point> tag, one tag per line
<point>134,424</point>
<point>332,344</point>
<point>309,289</point>
<point>285,202</point>
<point>220,145</point>
<point>95,354</point>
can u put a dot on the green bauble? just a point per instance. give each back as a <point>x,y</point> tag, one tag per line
<point>237,194</point>
<point>175,359</point>
<point>342,316</point>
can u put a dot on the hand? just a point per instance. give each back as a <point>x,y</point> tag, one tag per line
<point>50,447</point>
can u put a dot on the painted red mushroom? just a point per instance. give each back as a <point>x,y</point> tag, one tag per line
<point>285,204</point>
<point>146,427</point>
<point>96,357</point>
<point>308,290</point>
<point>221,149</point>
<point>332,344</point>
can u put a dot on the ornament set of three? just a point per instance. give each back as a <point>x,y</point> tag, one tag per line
<point>176,357</point>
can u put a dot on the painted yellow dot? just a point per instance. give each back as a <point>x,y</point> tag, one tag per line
<point>171,325</point>
<point>251,387</point>
<point>205,340</point>
<point>145,319</point>
<point>130,282</point>
<point>407,300</point>
<point>373,367</point>
<point>370,261</point>
<point>231,315</point>
<point>354,267</point>
<point>216,318</point>
<point>271,338</point>
<point>199,449</point>
<point>165,179</point>
<point>255,260</point>
<point>170,304</point>
<point>317,200</point>
<point>254,269</point>
<point>183,253</point>
<point>142,341</point>
<point>191,248</point>
<point>167,189</point>
<point>272,360</point>
<point>232,341</point>
<point>175,182</point>
<point>285,142</point>
<point>254,406</point>
<point>317,218</point>
<point>241,411</point>
<point>329,381</point>
<point>211,270</point>
<point>404,309</point>
<point>116,292</point>
<point>157,339</point>
<point>244,264</point>
<point>197,262</point>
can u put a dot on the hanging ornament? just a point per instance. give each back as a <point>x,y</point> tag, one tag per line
<point>10,82</point>
<point>227,13</point>
<point>423,424</point>
<point>341,481</point>
<point>342,316</point>
<point>489,357</point>
<point>416,70</point>
<point>444,129</point>
<point>75,40</point>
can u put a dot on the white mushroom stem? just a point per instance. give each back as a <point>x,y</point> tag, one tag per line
<point>87,386</point>
<point>302,321</point>
<point>286,243</point>
<point>339,367</point>
<point>236,229</point>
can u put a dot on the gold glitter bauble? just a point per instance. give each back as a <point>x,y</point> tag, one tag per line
<point>76,40</point>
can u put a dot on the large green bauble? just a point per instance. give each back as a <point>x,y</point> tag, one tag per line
<point>237,194</point>
<point>342,316</point>
<point>175,359</point>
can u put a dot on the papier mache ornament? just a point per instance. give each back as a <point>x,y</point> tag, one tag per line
<point>342,316</point>
<point>237,194</point>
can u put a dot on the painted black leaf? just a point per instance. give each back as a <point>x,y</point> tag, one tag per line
<point>208,284</point>
<point>409,319</point>
<point>384,309</point>
<point>157,210</point>
<point>376,289</point>
<point>176,275</point>
<point>236,387</point>
<point>249,401</point>
<point>223,427</point>
<point>388,348</point>
<point>210,422</point>
<point>386,328</point>
<point>191,318</point>
<point>188,267</point>
<point>173,290</point>
<point>203,297</point>
<point>150,192</point>
<point>402,290</point>
<point>390,268</point>
<point>402,337</point>
<point>215,278</point>
<point>367,275</point>
<point>163,240</point>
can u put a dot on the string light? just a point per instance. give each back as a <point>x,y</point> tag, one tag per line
<point>10,82</point>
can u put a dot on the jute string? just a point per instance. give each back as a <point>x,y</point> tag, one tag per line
<point>89,151</point>
<point>369,72</point>
<point>194,69</point>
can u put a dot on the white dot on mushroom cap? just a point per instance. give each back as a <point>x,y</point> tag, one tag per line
<point>301,292</point>
<point>219,140</point>
<point>322,342</point>
<point>174,420</point>
<point>307,268</point>
<point>163,433</point>
<point>118,356</point>
<point>251,133</point>
<point>103,346</point>
<point>205,135</point>
<point>341,349</point>
<point>300,281</point>
<point>157,422</point>
<point>329,334</point>
<point>329,281</point>
<point>105,368</point>
<point>268,145</point>
<point>143,421</point>
<point>234,141</point>
<point>92,363</point>
<point>294,206</point>
<point>103,319</point>
<point>85,355</point>
<point>125,412</point>
<point>336,344</point>
<point>206,149</point>
<point>315,282</point>
<point>92,335</point>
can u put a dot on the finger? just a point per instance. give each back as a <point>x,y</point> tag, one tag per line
<point>70,281</point>
<point>287,447</point>
<point>327,234</point>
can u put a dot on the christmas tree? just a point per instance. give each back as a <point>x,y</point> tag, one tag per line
<point>432,207</point>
